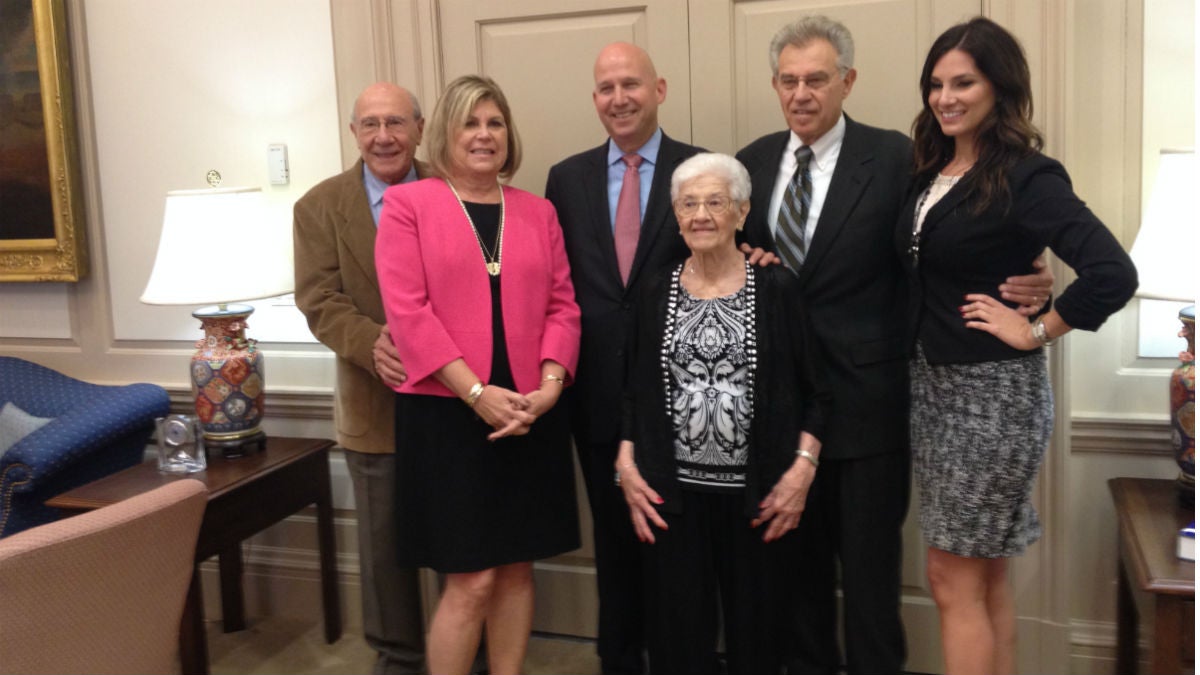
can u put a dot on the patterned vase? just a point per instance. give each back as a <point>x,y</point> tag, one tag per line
<point>1183,409</point>
<point>227,380</point>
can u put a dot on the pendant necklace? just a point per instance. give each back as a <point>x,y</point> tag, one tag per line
<point>491,259</point>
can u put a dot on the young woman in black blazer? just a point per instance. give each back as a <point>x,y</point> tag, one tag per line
<point>985,202</point>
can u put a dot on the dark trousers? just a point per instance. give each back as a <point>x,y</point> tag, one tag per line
<point>621,639</point>
<point>391,597</point>
<point>710,564</point>
<point>852,520</point>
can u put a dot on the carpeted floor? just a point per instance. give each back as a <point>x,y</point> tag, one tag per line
<point>282,645</point>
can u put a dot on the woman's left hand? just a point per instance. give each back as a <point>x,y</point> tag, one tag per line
<point>985,313</point>
<point>783,507</point>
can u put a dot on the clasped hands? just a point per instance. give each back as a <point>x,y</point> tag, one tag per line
<point>510,413</point>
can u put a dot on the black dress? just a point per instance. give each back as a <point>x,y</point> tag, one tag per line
<point>465,503</point>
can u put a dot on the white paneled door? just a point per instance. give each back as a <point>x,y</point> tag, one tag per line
<point>713,54</point>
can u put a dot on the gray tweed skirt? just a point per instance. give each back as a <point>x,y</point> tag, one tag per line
<point>978,433</point>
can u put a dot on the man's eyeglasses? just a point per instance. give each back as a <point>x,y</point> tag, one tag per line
<point>370,125</point>
<point>715,206</point>
<point>814,82</point>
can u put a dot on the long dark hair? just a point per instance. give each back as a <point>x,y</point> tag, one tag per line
<point>1006,135</point>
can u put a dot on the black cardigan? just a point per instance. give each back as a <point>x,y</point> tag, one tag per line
<point>790,395</point>
<point>962,253</point>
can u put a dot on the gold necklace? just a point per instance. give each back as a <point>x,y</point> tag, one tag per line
<point>491,259</point>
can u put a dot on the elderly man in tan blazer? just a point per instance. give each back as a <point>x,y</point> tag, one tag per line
<point>336,288</point>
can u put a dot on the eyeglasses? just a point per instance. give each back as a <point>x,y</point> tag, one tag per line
<point>814,82</point>
<point>371,125</point>
<point>715,206</point>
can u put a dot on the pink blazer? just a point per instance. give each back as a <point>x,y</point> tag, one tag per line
<point>437,297</point>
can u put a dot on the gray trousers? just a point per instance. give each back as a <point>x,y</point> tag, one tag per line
<point>391,598</point>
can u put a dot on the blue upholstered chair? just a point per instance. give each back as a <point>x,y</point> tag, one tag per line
<point>67,433</point>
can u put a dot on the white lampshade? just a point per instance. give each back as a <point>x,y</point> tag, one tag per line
<point>1165,249</point>
<point>218,246</point>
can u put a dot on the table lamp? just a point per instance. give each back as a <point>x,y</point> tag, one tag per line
<point>219,247</point>
<point>1164,253</point>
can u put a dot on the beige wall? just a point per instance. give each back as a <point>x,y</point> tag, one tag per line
<point>170,89</point>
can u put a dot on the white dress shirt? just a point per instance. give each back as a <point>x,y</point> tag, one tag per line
<point>824,160</point>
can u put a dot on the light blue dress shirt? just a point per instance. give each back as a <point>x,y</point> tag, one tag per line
<point>616,174</point>
<point>376,188</point>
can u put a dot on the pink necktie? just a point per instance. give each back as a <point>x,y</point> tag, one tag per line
<point>629,216</point>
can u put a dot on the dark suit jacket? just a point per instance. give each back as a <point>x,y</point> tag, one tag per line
<point>337,289</point>
<point>964,252</point>
<point>578,188</point>
<point>853,283</point>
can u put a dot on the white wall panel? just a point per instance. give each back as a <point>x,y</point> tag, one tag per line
<point>180,88</point>
<point>35,311</point>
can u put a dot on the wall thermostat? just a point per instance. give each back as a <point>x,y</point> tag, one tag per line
<point>277,163</point>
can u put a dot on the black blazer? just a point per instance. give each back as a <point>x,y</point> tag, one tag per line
<point>790,394</point>
<point>578,188</point>
<point>962,252</point>
<point>852,283</point>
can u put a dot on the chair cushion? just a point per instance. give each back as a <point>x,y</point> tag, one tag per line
<point>16,424</point>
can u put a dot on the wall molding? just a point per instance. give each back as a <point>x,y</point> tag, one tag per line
<point>1123,435</point>
<point>280,404</point>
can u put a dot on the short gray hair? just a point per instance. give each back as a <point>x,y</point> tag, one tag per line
<point>814,27</point>
<point>714,164</point>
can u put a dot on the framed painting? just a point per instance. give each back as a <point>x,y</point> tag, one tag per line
<point>41,207</point>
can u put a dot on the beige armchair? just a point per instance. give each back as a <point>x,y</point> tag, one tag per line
<point>101,592</point>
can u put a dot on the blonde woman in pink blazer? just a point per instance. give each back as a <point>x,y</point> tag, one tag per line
<point>479,302</point>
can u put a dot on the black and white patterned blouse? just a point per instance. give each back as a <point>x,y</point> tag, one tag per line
<point>710,386</point>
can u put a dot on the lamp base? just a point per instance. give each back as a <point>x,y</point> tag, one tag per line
<point>1183,410</point>
<point>228,381</point>
<point>238,447</point>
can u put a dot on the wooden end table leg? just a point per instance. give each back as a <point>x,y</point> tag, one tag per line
<point>233,606</point>
<point>1127,624</point>
<point>328,549</point>
<point>193,643</point>
<point>1168,637</point>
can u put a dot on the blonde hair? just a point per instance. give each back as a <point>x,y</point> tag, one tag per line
<point>450,116</point>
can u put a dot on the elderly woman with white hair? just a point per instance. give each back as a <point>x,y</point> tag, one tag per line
<point>722,417</point>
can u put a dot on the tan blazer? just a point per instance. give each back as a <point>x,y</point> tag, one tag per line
<point>338,291</point>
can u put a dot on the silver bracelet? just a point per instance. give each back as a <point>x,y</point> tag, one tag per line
<point>809,456</point>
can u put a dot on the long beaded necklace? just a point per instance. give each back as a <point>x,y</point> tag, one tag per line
<point>941,184</point>
<point>491,259</point>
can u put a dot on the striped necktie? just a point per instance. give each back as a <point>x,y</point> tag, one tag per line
<point>793,213</point>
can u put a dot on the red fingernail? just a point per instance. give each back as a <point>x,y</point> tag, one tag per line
<point>659,500</point>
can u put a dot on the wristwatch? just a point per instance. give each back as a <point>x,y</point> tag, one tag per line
<point>1039,332</point>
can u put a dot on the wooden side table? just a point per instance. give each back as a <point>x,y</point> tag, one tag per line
<point>1149,517</point>
<point>245,496</point>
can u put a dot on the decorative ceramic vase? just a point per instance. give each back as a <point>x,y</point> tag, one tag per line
<point>228,381</point>
<point>1183,409</point>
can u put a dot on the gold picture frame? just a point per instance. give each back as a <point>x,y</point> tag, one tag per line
<point>33,249</point>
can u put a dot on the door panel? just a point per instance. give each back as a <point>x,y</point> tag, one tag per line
<point>542,52</point>
<point>714,57</point>
<point>733,103</point>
